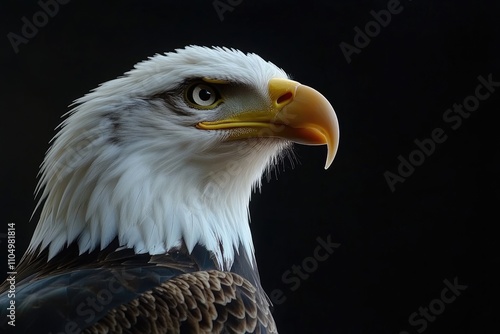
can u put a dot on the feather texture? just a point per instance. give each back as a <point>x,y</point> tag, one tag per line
<point>198,302</point>
<point>144,224</point>
<point>124,164</point>
<point>118,291</point>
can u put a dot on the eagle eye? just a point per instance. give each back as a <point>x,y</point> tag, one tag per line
<point>203,96</point>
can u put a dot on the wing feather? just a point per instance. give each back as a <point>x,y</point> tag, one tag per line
<point>198,302</point>
<point>118,291</point>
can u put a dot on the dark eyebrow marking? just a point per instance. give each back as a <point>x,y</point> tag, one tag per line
<point>169,97</point>
<point>177,94</point>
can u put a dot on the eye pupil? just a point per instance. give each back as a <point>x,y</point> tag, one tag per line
<point>205,95</point>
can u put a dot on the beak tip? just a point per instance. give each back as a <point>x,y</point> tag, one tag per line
<point>332,145</point>
<point>332,141</point>
<point>332,152</point>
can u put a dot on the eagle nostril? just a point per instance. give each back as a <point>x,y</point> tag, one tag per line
<point>284,98</point>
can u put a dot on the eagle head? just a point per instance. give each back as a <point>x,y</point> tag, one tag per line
<point>167,155</point>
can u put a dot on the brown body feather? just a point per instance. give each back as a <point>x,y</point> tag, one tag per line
<point>198,298</point>
<point>198,303</point>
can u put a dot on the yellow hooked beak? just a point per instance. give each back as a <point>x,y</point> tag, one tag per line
<point>297,113</point>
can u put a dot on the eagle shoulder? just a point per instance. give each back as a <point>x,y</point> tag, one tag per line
<point>198,302</point>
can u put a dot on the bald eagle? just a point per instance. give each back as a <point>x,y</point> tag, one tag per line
<point>144,193</point>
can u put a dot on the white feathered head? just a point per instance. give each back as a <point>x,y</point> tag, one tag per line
<point>167,155</point>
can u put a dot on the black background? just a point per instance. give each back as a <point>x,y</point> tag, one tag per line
<point>397,247</point>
